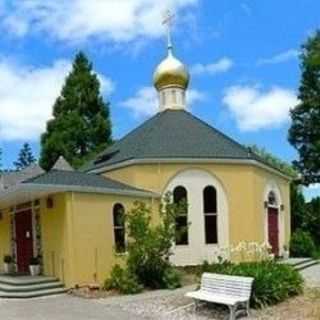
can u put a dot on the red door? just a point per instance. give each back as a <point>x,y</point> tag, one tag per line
<point>24,240</point>
<point>273,230</point>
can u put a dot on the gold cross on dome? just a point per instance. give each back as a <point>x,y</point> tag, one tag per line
<point>168,22</point>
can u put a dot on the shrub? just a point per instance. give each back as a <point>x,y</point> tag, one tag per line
<point>302,244</point>
<point>273,282</point>
<point>123,281</point>
<point>7,259</point>
<point>149,249</point>
<point>172,278</point>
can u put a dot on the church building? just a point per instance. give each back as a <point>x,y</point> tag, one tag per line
<point>71,219</point>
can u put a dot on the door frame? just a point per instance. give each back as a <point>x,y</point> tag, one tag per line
<point>19,209</point>
<point>273,187</point>
<point>278,226</point>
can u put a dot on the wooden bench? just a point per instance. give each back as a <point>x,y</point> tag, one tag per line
<point>232,291</point>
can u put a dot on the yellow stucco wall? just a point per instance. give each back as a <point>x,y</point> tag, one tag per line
<point>93,240</point>
<point>244,186</point>
<point>56,238</point>
<point>5,247</point>
<point>77,233</point>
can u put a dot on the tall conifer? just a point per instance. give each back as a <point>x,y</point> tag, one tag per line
<point>81,124</point>
<point>25,157</point>
<point>304,133</point>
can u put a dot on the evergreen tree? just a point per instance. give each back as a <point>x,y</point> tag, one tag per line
<point>313,219</point>
<point>298,208</point>
<point>81,125</point>
<point>25,157</point>
<point>304,133</point>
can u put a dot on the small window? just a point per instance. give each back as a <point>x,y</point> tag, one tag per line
<point>272,199</point>
<point>174,96</point>
<point>210,215</point>
<point>180,197</point>
<point>163,98</point>
<point>119,228</point>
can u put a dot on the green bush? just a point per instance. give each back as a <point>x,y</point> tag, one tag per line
<point>273,282</point>
<point>302,244</point>
<point>172,278</point>
<point>149,249</point>
<point>123,281</point>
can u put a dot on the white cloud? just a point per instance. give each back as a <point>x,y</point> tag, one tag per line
<point>77,20</point>
<point>27,95</point>
<point>220,66</point>
<point>255,109</point>
<point>145,101</point>
<point>280,58</point>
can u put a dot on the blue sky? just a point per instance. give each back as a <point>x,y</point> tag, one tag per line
<point>243,58</point>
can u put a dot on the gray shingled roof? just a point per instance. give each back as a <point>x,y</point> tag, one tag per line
<point>172,134</point>
<point>79,179</point>
<point>10,179</point>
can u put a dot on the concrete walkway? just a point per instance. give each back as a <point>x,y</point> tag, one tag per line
<point>312,276</point>
<point>62,307</point>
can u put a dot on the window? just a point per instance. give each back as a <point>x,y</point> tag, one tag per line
<point>119,227</point>
<point>174,96</point>
<point>163,98</point>
<point>180,197</point>
<point>272,199</point>
<point>210,215</point>
<point>183,97</point>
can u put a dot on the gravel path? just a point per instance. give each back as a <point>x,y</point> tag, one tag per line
<point>62,307</point>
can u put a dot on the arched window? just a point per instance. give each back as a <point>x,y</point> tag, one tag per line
<point>174,96</point>
<point>180,197</point>
<point>210,214</point>
<point>163,95</point>
<point>272,199</point>
<point>119,227</point>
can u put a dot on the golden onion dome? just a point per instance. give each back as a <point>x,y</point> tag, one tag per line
<point>171,72</point>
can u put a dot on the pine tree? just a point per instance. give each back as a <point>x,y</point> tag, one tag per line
<point>298,207</point>
<point>25,157</point>
<point>304,133</point>
<point>81,125</point>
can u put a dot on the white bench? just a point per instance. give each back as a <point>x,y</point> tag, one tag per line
<point>232,291</point>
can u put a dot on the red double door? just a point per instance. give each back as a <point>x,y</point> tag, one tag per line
<point>24,240</point>
<point>273,230</point>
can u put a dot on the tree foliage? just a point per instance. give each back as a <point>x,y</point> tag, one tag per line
<point>313,219</point>
<point>298,207</point>
<point>274,161</point>
<point>25,157</point>
<point>304,134</point>
<point>81,125</point>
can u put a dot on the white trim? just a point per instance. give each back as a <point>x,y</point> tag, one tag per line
<point>10,194</point>
<point>195,180</point>
<point>34,231</point>
<point>130,162</point>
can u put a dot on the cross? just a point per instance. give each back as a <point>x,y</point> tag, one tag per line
<point>168,22</point>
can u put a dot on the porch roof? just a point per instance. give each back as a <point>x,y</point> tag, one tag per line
<point>57,181</point>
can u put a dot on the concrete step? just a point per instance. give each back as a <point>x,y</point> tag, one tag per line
<point>23,287</point>
<point>30,287</point>
<point>25,280</point>
<point>32,294</point>
<point>306,265</point>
